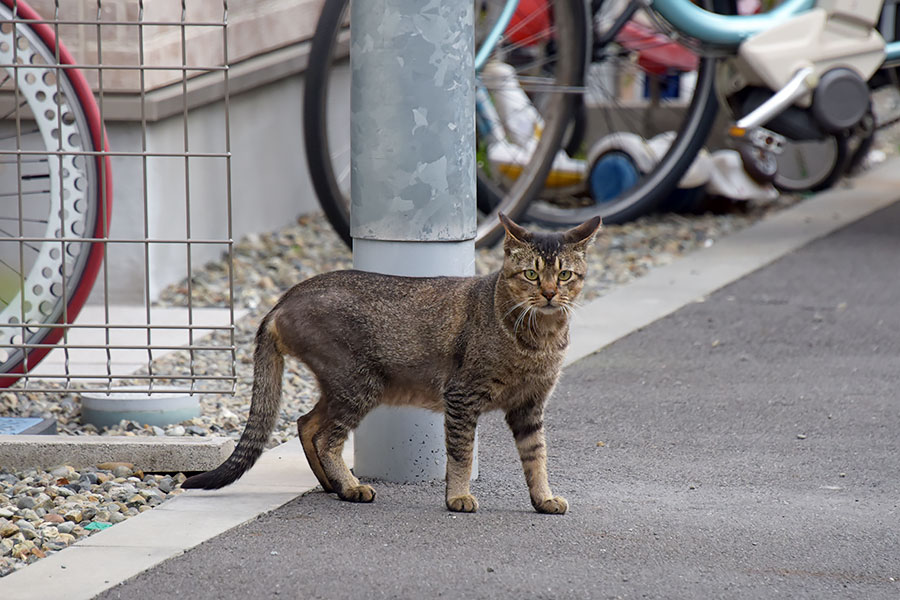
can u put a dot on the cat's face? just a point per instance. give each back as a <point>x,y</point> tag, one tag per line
<point>545,272</point>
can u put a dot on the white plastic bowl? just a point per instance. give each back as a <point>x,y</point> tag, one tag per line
<point>104,409</point>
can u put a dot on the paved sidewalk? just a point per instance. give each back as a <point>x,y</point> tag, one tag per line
<point>750,449</point>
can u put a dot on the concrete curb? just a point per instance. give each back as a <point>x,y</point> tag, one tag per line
<point>114,555</point>
<point>153,454</point>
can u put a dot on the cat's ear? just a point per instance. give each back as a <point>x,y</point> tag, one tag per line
<point>583,234</point>
<point>514,231</point>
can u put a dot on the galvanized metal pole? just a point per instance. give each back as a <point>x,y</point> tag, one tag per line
<point>412,183</point>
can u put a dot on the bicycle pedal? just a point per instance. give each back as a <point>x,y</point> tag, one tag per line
<point>758,137</point>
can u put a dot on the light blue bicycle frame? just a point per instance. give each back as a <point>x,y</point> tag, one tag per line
<point>496,33</point>
<point>730,30</point>
<point>726,31</point>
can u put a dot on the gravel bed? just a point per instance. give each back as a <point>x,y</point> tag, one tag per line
<point>44,511</point>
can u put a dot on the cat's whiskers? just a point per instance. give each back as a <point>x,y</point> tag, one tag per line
<point>573,302</point>
<point>527,317</point>
<point>515,306</point>
<point>519,319</point>
<point>568,304</point>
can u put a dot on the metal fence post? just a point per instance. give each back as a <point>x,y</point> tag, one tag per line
<point>412,184</point>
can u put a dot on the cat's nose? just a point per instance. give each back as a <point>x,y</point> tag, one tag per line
<point>548,294</point>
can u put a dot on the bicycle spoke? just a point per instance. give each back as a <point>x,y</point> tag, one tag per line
<point>20,135</point>
<point>28,245</point>
<point>24,160</point>
<point>546,85</point>
<point>533,38</point>
<point>513,29</point>
<point>507,45</point>
<point>14,110</point>
<point>14,270</point>
<point>25,220</point>
<point>16,194</point>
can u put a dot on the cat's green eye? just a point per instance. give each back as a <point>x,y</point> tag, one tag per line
<point>530,274</point>
<point>565,275</point>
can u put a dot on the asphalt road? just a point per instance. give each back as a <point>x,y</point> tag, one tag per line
<point>749,450</point>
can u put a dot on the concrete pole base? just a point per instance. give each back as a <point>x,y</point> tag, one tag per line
<point>404,445</point>
<point>415,259</point>
<point>396,443</point>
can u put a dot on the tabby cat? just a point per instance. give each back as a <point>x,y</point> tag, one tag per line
<point>460,345</point>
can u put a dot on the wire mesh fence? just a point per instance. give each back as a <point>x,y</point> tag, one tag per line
<point>115,179</point>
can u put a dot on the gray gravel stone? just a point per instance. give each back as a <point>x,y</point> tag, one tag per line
<point>64,472</point>
<point>166,484</point>
<point>29,515</point>
<point>66,527</point>
<point>122,471</point>
<point>26,502</point>
<point>8,528</point>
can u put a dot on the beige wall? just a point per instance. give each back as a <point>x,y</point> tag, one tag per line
<point>253,27</point>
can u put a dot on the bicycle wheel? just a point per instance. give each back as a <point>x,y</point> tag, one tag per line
<point>55,194</point>
<point>811,165</point>
<point>644,81</point>
<point>548,63</point>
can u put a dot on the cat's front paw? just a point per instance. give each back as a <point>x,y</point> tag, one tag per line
<point>466,503</point>
<point>359,493</point>
<point>556,505</point>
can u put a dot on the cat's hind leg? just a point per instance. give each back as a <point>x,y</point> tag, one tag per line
<point>344,403</point>
<point>307,427</point>
<point>329,444</point>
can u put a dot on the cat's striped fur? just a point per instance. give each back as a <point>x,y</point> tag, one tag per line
<point>458,345</point>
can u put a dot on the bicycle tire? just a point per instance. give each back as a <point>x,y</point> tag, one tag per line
<point>577,131</point>
<point>315,123</point>
<point>862,140</point>
<point>67,134</point>
<point>510,196</point>
<point>657,184</point>
<point>889,27</point>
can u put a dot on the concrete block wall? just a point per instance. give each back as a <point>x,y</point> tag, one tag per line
<point>254,27</point>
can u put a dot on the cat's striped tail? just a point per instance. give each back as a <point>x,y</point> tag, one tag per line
<point>268,367</point>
